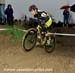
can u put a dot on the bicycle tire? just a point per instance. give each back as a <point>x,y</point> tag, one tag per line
<point>50,48</point>
<point>33,32</point>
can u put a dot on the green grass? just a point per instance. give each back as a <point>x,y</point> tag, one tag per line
<point>14,32</point>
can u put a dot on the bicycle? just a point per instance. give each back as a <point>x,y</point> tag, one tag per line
<point>31,37</point>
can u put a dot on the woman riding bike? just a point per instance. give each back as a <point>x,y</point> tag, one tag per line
<point>45,21</point>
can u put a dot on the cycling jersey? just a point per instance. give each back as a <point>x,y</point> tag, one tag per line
<point>44,18</point>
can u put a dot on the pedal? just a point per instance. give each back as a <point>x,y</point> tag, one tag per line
<point>39,37</point>
<point>48,42</point>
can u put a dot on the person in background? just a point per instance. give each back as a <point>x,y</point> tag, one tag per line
<point>9,14</point>
<point>66,15</point>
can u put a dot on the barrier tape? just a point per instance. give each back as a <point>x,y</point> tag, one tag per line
<point>62,34</point>
<point>3,29</point>
<point>59,34</point>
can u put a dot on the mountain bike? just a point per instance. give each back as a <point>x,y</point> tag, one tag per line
<point>31,38</point>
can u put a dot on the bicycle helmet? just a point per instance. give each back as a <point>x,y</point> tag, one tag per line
<point>33,7</point>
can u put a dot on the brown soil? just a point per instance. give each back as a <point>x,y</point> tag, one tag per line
<point>62,60</point>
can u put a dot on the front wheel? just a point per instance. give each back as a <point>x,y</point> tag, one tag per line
<point>50,44</point>
<point>30,39</point>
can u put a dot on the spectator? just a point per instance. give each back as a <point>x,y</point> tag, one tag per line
<point>66,17</point>
<point>9,14</point>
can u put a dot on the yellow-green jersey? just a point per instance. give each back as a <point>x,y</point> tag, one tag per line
<point>44,18</point>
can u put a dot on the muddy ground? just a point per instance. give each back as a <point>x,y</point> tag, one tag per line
<point>62,60</point>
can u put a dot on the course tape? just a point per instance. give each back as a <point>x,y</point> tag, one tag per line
<point>3,29</point>
<point>62,34</point>
<point>59,34</point>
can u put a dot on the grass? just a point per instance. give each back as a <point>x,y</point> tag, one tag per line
<point>14,32</point>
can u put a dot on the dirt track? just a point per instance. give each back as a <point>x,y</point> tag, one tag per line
<point>62,60</point>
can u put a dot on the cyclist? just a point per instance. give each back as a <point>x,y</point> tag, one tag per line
<point>45,21</point>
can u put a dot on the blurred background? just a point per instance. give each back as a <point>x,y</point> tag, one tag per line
<point>51,6</point>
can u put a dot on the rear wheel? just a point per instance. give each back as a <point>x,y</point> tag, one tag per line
<point>30,39</point>
<point>50,44</point>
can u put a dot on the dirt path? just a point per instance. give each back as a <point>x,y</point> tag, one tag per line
<point>62,60</point>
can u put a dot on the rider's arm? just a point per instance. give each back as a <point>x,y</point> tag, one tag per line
<point>44,17</point>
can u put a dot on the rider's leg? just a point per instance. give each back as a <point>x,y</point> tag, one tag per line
<point>43,35</point>
<point>48,36</point>
<point>38,35</point>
